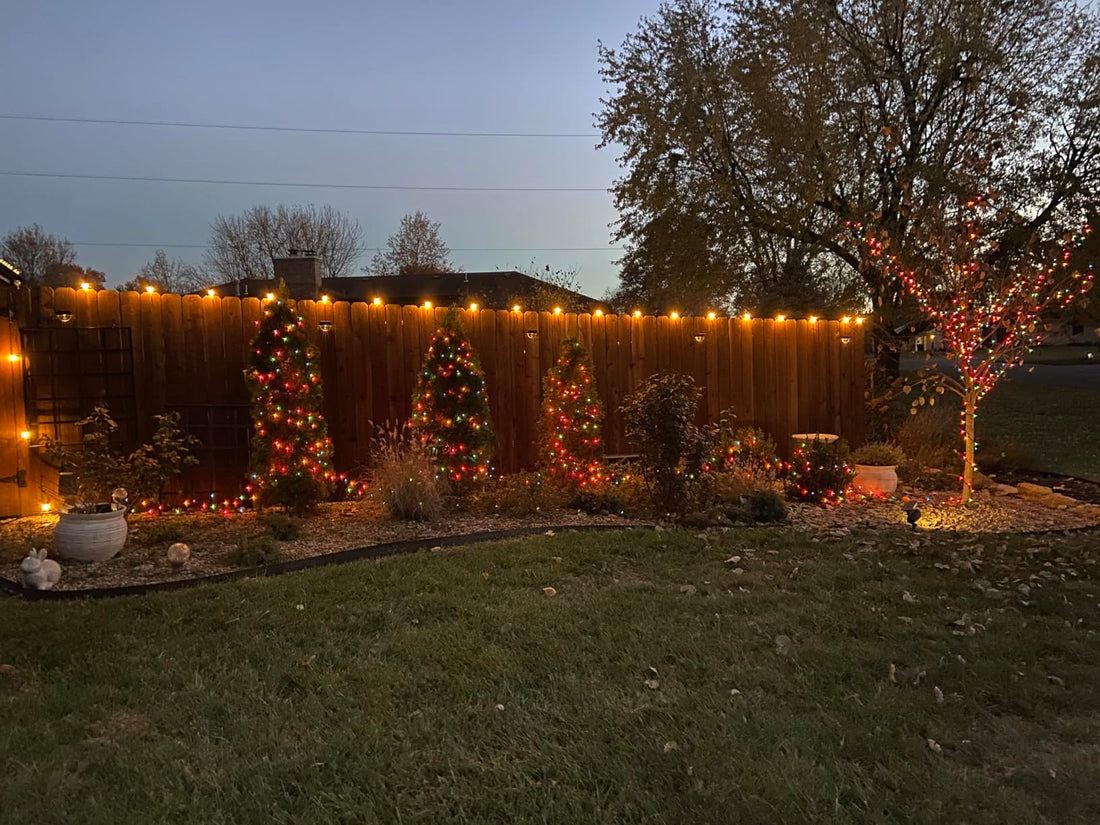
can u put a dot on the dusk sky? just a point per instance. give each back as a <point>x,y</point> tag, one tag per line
<point>413,66</point>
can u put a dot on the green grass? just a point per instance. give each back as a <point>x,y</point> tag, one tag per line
<point>1065,354</point>
<point>369,692</point>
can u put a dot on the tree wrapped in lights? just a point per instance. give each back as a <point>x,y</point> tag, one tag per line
<point>989,300</point>
<point>571,417</point>
<point>291,462</point>
<point>450,409</point>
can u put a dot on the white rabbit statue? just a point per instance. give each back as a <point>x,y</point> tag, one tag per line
<point>39,573</point>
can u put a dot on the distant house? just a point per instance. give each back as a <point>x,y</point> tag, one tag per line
<point>920,336</point>
<point>490,290</point>
<point>10,281</point>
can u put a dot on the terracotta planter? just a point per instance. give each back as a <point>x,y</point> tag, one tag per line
<point>90,536</point>
<point>875,480</point>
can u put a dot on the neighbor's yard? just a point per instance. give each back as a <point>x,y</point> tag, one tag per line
<point>743,676</point>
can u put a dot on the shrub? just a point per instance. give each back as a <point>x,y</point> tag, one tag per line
<point>254,551</point>
<point>766,506</point>
<point>451,409</point>
<point>730,498</point>
<point>161,531</point>
<point>150,467</point>
<point>404,475</point>
<point>520,494</point>
<point>572,413</point>
<point>931,438</point>
<point>659,420</point>
<point>598,500</point>
<point>819,472</point>
<point>747,451</point>
<point>878,455</point>
<point>281,526</point>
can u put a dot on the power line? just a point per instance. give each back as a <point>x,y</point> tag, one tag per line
<point>370,248</point>
<point>222,182</point>
<point>252,128</point>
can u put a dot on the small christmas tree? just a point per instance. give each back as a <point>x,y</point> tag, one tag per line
<point>450,408</point>
<point>291,452</point>
<point>571,417</point>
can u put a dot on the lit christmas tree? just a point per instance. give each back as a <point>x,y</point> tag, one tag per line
<point>987,300</point>
<point>450,408</point>
<point>291,461</point>
<point>571,417</point>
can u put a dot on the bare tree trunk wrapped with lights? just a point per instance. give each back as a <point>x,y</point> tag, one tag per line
<point>451,409</point>
<point>987,299</point>
<point>291,463</point>
<point>571,417</point>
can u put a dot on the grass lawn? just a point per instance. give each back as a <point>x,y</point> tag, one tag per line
<point>1065,354</point>
<point>450,688</point>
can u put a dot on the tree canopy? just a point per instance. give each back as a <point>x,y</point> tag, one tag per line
<point>168,275</point>
<point>42,259</point>
<point>414,249</point>
<point>243,246</point>
<point>752,131</point>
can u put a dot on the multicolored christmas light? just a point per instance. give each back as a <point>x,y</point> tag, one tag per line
<point>572,414</point>
<point>989,306</point>
<point>450,408</point>
<point>819,472</point>
<point>291,463</point>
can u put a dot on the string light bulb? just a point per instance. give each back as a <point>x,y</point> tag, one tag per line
<point>516,308</point>
<point>674,315</point>
<point>813,319</point>
<point>13,358</point>
<point>473,307</point>
<point>85,286</point>
<point>598,313</point>
<point>427,305</point>
<point>746,317</point>
<point>781,317</point>
<point>637,313</point>
<point>150,289</point>
<point>325,299</point>
<point>270,296</point>
<point>377,302</point>
<point>210,293</point>
<point>557,310</point>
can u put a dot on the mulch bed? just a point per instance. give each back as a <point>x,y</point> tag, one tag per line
<point>339,527</point>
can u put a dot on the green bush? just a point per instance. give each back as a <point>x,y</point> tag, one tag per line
<point>598,500</point>
<point>520,494</point>
<point>404,476</point>
<point>660,426</point>
<point>254,551</point>
<point>931,438</point>
<point>161,531</point>
<point>730,498</point>
<point>766,506</point>
<point>281,526</point>
<point>819,472</point>
<point>878,454</point>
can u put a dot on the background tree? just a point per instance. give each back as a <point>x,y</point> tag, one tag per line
<point>556,288</point>
<point>175,276</point>
<point>415,249</point>
<point>784,119</point>
<point>243,246</point>
<point>291,461</point>
<point>572,415</point>
<point>450,408</point>
<point>72,275</point>
<point>34,253</point>
<point>988,303</point>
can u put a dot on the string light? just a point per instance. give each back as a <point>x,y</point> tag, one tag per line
<point>557,310</point>
<point>675,316</point>
<point>598,313</point>
<point>712,315</point>
<point>746,317</point>
<point>427,305</point>
<point>781,317</point>
<point>473,307</point>
<point>150,289</point>
<point>210,293</point>
<point>377,302</point>
<point>325,299</point>
<point>813,319</point>
<point>85,286</point>
<point>637,313</point>
<point>572,415</point>
<point>516,308</point>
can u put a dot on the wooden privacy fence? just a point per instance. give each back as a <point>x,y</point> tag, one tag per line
<point>147,353</point>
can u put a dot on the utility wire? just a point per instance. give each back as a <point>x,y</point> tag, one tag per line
<point>223,182</point>
<point>246,127</point>
<point>373,248</point>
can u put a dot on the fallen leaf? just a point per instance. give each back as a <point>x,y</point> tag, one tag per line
<point>934,746</point>
<point>671,746</point>
<point>8,670</point>
<point>652,682</point>
<point>733,560</point>
<point>892,674</point>
<point>908,598</point>
<point>937,693</point>
<point>500,707</point>
<point>782,644</point>
<point>688,589</point>
<point>549,591</point>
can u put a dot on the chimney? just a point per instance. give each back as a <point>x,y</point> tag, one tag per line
<point>301,269</point>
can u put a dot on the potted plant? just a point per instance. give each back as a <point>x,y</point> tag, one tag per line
<point>876,468</point>
<point>94,529</point>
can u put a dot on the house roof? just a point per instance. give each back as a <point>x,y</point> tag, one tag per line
<point>497,289</point>
<point>10,274</point>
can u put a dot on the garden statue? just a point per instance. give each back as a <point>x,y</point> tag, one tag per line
<point>39,573</point>
<point>178,554</point>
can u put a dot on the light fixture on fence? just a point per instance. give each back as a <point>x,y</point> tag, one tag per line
<point>859,320</point>
<point>324,326</point>
<point>845,319</point>
<point>844,339</point>
<point>532,333</point>
<point>270,296</point>
<point>63,315</point>
<point>25,435</point>
<point>325,299</point>
<point>45,506</point>
<point>700,337</point>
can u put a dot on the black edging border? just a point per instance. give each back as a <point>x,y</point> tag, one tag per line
<point>373,551</point>
<point>380,551</point>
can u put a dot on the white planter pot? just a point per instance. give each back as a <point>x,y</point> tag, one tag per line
<point>872,479</point>
<point>90,536</point>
